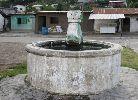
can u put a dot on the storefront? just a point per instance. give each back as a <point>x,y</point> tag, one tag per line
<point>107,23</point>
<point>57,22</point>
<point>25,22</point>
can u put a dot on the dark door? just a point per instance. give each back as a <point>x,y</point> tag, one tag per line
<point>126,25</point>
<point>42,22</point>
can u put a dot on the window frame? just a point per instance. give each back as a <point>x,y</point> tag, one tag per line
<point>22,20</point>
<point>54,20</point>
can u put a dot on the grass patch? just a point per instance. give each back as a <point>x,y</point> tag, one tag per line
<point>19,69</point>
<point>129,58</point>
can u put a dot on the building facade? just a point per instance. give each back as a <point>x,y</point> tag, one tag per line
<point>51,19</point>
<point>23,22</point>
<point>1,23</point>
<point>127,24</point>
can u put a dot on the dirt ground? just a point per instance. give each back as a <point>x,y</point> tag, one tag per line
<point>11,54</point>
<point>12,45</point>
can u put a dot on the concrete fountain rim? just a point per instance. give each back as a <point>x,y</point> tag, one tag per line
<point>35,49</point>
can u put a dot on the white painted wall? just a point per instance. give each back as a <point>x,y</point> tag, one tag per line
<point>102,22</point>
<point>107,29</point>
<point>1,22</point>
<point>133,24</point>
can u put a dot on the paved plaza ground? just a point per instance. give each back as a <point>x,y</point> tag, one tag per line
<point>16,89</point>
<point>12,45</point>
<point>12,51</point>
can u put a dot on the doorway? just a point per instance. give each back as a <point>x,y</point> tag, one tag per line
<point>41,22</point>
<point>126,25</point>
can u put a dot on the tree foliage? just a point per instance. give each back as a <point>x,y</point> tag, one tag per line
<point>132,3</point>
<point>59,7</point>
<point>8,3</point>
<point>48,8</point>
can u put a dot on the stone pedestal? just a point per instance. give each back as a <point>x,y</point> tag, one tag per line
<point>74,32</point>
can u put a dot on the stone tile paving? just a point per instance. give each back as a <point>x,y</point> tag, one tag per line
<point>16,88</point>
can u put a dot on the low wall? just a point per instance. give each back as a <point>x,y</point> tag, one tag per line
<point>73,72</point>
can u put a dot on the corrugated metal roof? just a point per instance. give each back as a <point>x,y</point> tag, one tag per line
<point>115,10</point>
<point>106,16</point>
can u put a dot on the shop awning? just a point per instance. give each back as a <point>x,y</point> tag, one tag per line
<point>106,16</point>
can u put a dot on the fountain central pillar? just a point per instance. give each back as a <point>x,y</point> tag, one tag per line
<point>74,32</point>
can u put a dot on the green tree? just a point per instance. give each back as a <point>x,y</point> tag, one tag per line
<point>59,7</point>
<point>8,3</point>
<point>48,8</point>
<point>132,3</point>
<point>87,7</point>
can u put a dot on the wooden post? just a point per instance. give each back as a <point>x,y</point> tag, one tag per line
<point>36,24</point>
<point>121,28</point>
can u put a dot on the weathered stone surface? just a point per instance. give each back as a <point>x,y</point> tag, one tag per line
<point>74,33</point>
<point>16,89</point>
<point>74,72</point>
<point>74,16</point>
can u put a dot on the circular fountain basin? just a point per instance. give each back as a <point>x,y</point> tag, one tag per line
<point>73,71</point>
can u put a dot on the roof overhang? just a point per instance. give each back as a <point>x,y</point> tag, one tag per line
<point>106,16</point>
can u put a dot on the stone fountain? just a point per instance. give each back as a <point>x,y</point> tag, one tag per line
<point>73,66</point>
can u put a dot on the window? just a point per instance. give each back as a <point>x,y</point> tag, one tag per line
<point>54,20</point>
<point>21,20</point>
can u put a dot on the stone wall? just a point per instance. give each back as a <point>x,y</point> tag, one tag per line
<point>74,72</point>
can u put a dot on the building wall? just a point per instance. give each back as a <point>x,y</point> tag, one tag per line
<point>101,22</point>
<point>87,25</point>
<point>23,22</point>
<point>133,24</point>
<point>1,22</point>
<point>62,20</point>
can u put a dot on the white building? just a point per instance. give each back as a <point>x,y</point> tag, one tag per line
<point>1,22</point>
<point>20,8</point>
<point>125,19</point>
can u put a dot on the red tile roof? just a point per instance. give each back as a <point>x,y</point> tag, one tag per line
<point>115,10</point>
